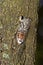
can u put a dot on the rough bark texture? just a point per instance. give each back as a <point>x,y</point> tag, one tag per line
<point>10,52</point>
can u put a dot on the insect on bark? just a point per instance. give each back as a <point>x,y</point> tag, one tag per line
<point>22,30</point>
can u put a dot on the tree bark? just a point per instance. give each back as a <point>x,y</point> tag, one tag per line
<point>10,11</point>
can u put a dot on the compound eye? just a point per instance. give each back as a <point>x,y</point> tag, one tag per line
<point>22,17</point>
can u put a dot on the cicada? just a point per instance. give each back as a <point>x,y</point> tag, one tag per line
<point>22,29</point>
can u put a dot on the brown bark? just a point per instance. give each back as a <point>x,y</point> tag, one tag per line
<point>10,11</point>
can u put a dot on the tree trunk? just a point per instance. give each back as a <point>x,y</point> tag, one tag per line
<point>12,53</point>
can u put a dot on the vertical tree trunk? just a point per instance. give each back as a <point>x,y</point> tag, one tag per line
<point>9,17</point>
